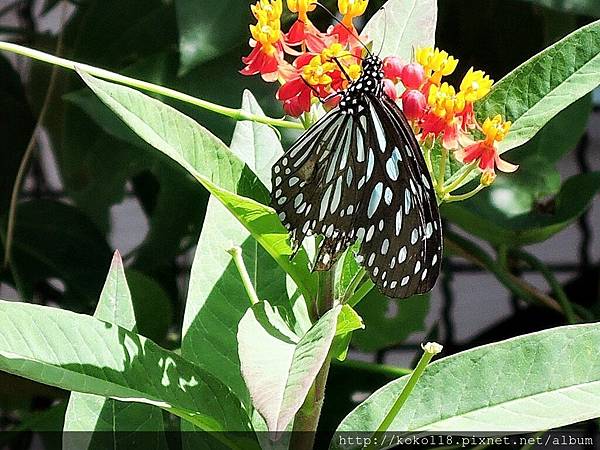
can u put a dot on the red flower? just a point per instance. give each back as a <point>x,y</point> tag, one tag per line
<point>485,151</point>
<point>296,96</point>
<point>260,61</point>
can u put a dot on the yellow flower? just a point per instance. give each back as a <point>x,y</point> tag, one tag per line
<point>354,71</point>
<point>495,129</point>
<point>488,177</point>
<point>436,63</point>
<point>316,72</point>
<point>338,52</point>
<point>302,7</point>
<point>268,29</point>
<point>351,9</point>
<point>445,102</point>
<point>475,85</point>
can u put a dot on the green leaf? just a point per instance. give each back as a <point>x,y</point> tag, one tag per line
<point>530,383</point>
<point>348,321</point>
<point>84,354</point>
<point>87,412</point>
<point>55,241</point>
<point>217,299</point>
<point>536,91</point>
<point>152,305</point>
<point>581,7</point>
<point>212,164</point>
<point>389,322</point>
<point>202,35</point>
<point>405,24</point>
<point>516,209</point>
<point>278,367</point>
<point>485,216</point>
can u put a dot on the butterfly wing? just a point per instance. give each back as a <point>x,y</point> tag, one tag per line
<point>402,244</point>
<point>312,183</point>
<point>363,176</point>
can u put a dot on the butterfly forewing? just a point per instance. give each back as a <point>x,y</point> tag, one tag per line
<point>359,173</point>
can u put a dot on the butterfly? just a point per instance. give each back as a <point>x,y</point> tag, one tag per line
<point>359,174</point>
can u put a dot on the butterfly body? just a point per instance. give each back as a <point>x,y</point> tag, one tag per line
<point>359,174</point>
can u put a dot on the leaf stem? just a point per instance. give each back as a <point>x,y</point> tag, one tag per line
<point>459,198</point>
<point>464,173</point>
<point>29,150</point>
<point>381,369</point>
<point>236,254</point>
<point>430,350</point>
<point>561,296</point>
<point>236,114</point>
<point>360,293</point>
<point>306,420</point>
<point>442,170</point>
<point>472,252</point>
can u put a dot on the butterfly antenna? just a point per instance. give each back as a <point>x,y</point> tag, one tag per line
<point>385,23</point>
<point>333,16</point>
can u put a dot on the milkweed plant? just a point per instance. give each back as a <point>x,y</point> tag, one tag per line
<point>262,329</point>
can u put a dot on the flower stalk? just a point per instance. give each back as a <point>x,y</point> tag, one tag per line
<point>236,254</point>
<point>429,351</point>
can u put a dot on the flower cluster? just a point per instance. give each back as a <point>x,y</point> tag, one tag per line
<point>314,66</point>
<point>309,64</point>
<point>438,110</point>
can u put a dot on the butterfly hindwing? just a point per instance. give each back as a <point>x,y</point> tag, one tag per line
<point>401,247</point>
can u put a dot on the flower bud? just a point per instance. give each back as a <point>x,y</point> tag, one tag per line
<point>392,68</point>
<point>413,104</point>
<point>412,76</point>
<point>390,89</point>
<point>488,177</point>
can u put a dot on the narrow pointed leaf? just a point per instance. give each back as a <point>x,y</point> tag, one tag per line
<point>106,417</point>
<point>217,299</point>
<point>212,164</point>
<point>533,382</point>
<point>80,353</point>
<point>540,88</point>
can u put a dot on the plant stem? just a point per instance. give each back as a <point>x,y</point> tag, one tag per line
<point>325,298</point>
<point>442,171</point>
<point>459,198</point>
<point>472,252</point>
<point>382,369</point>
<point>465,171</point>
<point>561,296</point>
<point>236,114</point>
<point>31,146</point>
<point>430,350</point>
<point>236,254</point>
<point>306,420</point>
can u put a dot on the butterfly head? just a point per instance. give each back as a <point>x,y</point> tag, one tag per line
<point>370,82</point>
<point>372,68</point>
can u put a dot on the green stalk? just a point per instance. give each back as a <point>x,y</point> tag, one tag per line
<point>236,114</point>
<point>441,176</point>
<point>430,350</point>
<point>462,174</point>
<point>381,369</point>
<point>459,198</point>
<point>236,254</point>
<point>559,293</point>
<point>306,420</point>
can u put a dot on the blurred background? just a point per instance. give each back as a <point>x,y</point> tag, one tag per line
<point>90,186</point>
